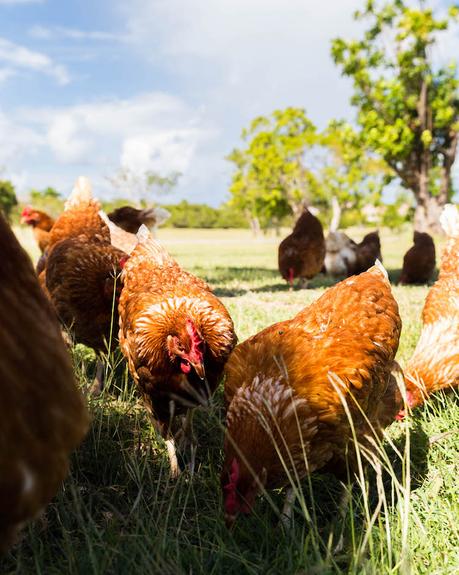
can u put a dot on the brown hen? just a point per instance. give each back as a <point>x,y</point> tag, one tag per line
<point>419,260</point>
<point>41,224</point>
<point>42,413</point>
<point>367,252</point>
<point>435,361</point>
<point>175,334</point>
<point>301,254</point>
<point>81,274</point>
<point>130,219</point>
<point>286,385</point>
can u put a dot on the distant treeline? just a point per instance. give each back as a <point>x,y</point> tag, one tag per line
<point>188,215</point>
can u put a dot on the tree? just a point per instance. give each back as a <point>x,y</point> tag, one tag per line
<point>49,200</point>
<point>287,163</point>
<point>408,109</point>
<point>7,198</point>
<point>349,175</point>
<point>140,186</point>
<point>271,179</point>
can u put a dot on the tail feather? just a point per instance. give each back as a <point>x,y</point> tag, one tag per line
<point>378,265</point>
<point>121,239</point>
<point>449,220</point>
<point>81,193</point>
<point>154,249</point>
<point>159,215</point>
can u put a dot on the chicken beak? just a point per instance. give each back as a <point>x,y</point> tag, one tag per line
<point>23,220</point>
<point>199,369</point>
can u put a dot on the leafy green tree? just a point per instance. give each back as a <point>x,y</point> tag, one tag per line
<point>408,109</point>
<point>271,179</point>
<point>349,175</point>
<point>7,198</point>
<point>287,163</point>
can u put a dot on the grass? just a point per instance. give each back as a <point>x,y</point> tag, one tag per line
<point>119,513</point>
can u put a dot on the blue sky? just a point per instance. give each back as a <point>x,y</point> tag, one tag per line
<point>89,86</point>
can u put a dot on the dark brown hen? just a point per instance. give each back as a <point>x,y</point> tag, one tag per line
<point>419,260</point>
<point>367,252</point>
<point>302,253</point>
<point>42,414</point>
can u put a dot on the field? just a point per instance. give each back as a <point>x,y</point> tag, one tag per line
<point>119,513</point>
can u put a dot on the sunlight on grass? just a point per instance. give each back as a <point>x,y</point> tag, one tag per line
<point>119,512</point>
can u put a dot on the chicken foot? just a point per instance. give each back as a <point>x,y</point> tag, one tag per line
<point>287,510</point>
<point>187,440</point>
<point>338,527</point>
<point>98,383</point>
<point>173,462</point>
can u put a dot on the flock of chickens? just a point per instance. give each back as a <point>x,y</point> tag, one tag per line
<point>305,253</point>
<point>300,395</point>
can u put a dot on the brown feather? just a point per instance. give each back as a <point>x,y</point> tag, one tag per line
<point>350,334</point>
<point>42,414</point>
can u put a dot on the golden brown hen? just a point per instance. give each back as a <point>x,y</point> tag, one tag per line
<point>175,334</point>
<point>80,216</point>
<point>419,260</point>
<point>435,361</point>
<point>42,413</point>
<point>82,274</point>
<point>41,224</point>
<point>286,385</point>
<point>301,254</point>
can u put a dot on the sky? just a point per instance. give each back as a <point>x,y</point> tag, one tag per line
<point>91,86</point>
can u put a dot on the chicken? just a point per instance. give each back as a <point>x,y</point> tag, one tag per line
<point>367,252</point>
<point>175,334</point>
<point>82,272</point>
<point>341,256</point>
<point>285,388</point>
<point>121,239</point>
<point>302,253</point>
<point>435,361</point>
<point>82,276</point>
<point>41,223</point>
<point>80,216</point>
<point>130,219</point>
<point>419,260</point>
<point>43,417</point>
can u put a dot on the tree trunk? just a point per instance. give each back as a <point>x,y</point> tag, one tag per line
<point>336,214</point>
<point>427,214</point>
<point>254,224</point>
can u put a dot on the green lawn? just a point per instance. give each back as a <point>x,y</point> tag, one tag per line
<point>118,512</point>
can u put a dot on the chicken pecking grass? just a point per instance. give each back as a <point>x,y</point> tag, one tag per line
<point>119,512</point>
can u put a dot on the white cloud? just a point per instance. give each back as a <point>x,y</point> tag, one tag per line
<point>153,131</point>
<point>63,32</point>
<point>16,56</point>
<point>19,2</point>
<point>164,151</point>
<point>249,56</point>
<point>6,73</point>
<point>16,140</point>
